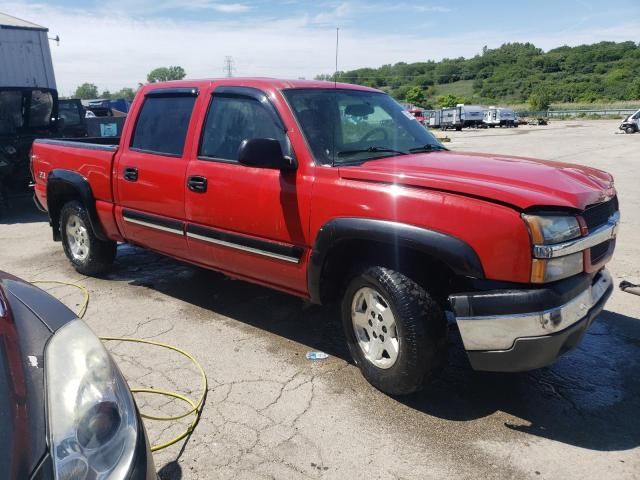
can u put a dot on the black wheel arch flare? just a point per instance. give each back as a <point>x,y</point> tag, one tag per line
<point>59,183</point>
<point>455,253</point>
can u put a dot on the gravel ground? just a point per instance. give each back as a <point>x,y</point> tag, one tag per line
<point>270,413</point>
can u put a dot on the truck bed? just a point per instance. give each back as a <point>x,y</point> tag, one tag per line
<point>90,157</point>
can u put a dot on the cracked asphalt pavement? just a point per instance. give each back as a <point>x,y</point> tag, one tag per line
<point>272,414</point>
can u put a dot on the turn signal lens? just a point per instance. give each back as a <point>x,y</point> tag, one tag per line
<point>544,271</point>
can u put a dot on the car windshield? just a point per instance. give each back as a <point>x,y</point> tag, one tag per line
<point>70,112</point>
<point>353,126</point>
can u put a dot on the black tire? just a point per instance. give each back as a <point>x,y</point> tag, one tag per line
<point>630,130</point>
<point>99,254</point>
<point>420,325</point>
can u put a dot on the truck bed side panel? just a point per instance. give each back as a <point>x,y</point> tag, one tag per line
<point>92,161</point>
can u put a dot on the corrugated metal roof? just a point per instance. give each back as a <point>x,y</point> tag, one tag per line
<point>10,21</point>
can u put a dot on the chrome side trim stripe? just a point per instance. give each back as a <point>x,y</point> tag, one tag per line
<point>243,247</point>
<point>153,225</point>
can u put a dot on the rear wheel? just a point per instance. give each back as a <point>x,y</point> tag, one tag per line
<point>88,254</point>
<point>395,331</point>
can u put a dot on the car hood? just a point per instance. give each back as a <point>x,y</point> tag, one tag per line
<point>518,181</point>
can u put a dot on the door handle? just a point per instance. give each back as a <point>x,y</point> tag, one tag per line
<point>130,173</point>
<point>197,183</point>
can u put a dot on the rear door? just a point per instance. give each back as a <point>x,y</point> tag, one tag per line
<point>247,221</point>
<point>151,168</point>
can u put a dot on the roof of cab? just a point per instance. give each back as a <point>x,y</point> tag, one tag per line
<point>257,82</point>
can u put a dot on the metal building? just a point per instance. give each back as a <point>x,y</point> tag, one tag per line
<point>25,57</point>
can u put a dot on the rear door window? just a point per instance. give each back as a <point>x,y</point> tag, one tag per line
<point>232,119</point>
<point>162,124</point>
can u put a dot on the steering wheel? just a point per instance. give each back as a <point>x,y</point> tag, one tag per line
<point>371,133</point>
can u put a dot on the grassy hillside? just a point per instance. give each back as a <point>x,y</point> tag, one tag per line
<point>461,88</point>
<point>515,73</point>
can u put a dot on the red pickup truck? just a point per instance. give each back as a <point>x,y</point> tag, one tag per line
<point>335,193</point>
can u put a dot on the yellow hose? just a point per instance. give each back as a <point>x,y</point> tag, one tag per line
<point>196,407</point>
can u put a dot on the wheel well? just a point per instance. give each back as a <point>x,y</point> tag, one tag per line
<point>56,199</point>
<point>350,257</point>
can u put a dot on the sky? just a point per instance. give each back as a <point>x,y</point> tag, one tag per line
<point>115,43</point>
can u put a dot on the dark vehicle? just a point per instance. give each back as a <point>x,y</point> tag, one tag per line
<point>71,122</point>
<point>66,412</point>
<point>25,114</point>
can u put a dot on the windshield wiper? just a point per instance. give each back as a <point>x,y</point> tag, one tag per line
<point>429,147</point>
<point>342,153</point>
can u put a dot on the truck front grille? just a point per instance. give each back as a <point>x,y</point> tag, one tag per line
<point>599,251</point>
<point>598,214</point>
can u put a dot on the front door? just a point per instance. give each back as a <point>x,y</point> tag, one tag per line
<point>247,221</point>
<point>150,171</point>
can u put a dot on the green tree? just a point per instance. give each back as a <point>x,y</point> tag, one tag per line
<point>415,96</point>
<point>126,93</point>
<point>539,101</point>
<point>86,91</point>
<point>449,101</point>
<point>515,72</point>
<point>163,74</point>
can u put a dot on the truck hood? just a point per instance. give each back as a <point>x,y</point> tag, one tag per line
<point>517,181</point>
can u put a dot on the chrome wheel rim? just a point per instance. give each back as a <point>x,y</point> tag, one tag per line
<point>374,326</point>
<point>77,238</point>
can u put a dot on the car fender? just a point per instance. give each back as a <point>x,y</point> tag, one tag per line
<point>60,184</point>
<point>455,253</point>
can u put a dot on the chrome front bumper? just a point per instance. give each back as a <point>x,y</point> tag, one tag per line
<point>501,332</point>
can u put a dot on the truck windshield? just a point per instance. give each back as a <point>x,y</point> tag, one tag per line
<point>353,126</point>
<point>22,110</point>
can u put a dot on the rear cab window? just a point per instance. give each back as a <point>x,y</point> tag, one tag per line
<point>163,121</point>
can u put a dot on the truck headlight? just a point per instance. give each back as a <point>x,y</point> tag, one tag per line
<point>91,414</point>
<point>544,271</point>
<point>549,229</point>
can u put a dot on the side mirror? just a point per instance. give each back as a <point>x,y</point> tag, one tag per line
<point>264,153</point>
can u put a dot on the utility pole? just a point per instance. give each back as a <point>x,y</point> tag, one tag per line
<point>228,66</point>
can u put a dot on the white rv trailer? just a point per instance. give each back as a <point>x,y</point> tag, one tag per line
<point>432,118</point>
<point>461,116</point>
<point>500,117</point>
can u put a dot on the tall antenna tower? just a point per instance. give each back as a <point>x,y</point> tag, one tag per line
<point>228,66</point>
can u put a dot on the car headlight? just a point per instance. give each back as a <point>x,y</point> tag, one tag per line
<point>91,414</point>
<point>543,271</point>
<point>549,229</point>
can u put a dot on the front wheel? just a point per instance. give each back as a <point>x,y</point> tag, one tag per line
<point>630,130</point>
<point>88,254</point>
<point>395,331</point>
